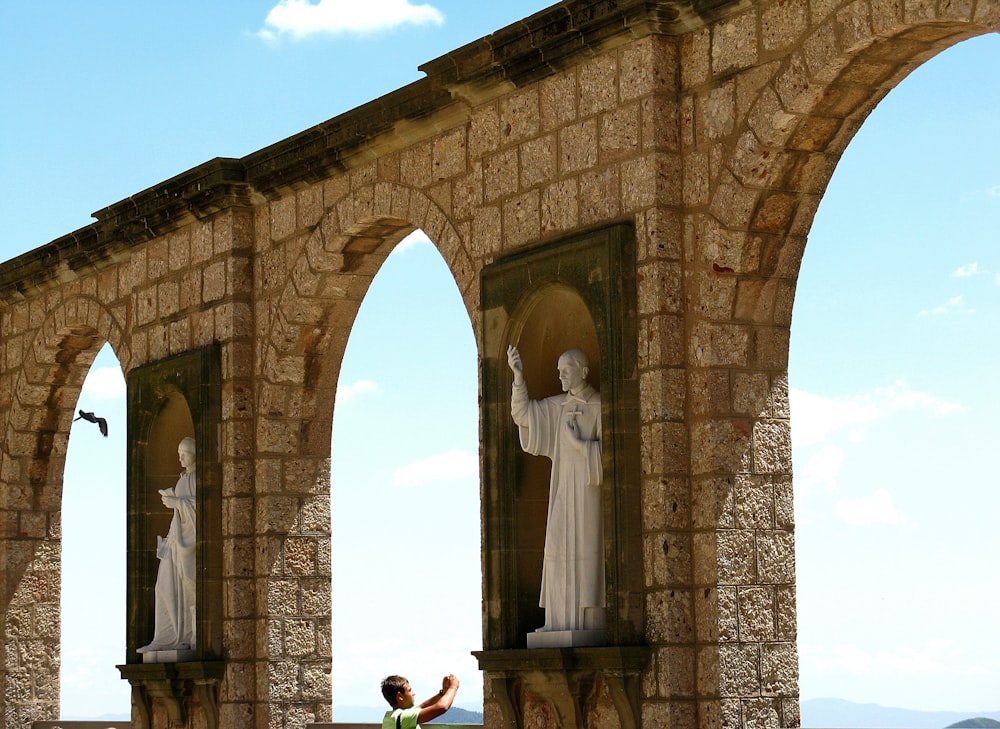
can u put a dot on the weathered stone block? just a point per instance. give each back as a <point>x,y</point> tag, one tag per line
<point>578,146</point>
<point>776,557</point>
<point>713,503</point>
<point>484,131</point>
<point>598,84</point>
<point>772,446</point>
<point>783,23</point>
<point>519,116</point>
<point>560,209</point>
<point>737,554</point>
<point>663,394</point>
<point>734,43</point>
<point>756,614</point>
<point>666,503</point>
<point>522,219</point>
<point>677,680</point>
<point>760,714</point>
<point>739,669</point>
<point>600,196</point>
<point>754,502</point>
<point>500,175</point>
<point>538,161</point>
<point>415,167</point>
<point>664,448</point>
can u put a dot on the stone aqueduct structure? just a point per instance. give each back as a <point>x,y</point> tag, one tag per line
<point>701,134</point>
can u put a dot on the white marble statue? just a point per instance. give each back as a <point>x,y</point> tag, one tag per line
<point>175,578</point>
<point>567,429</point>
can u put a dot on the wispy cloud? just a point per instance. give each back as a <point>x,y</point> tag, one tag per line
<point>877,508</point>
<point>994,191</point>
<point>298,19</point>
<point>952,305</point>
<point>356,389</point>
<point>969,269</point>
<point>815,417</point>
<point>104,383</point>
<point>414,239</point>
<point>822,471</point>
<point>450,466</point>
<point>932,658</point>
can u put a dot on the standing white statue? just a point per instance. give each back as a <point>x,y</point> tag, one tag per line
<point>174,625</point>
<point>567,429</point>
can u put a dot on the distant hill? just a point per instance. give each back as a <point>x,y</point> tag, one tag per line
<point>978,723</point>
<point>458,715</point>
<point>373,715</point>
<point>840,714</point>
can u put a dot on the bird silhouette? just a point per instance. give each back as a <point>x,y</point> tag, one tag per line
<point>91,418</point>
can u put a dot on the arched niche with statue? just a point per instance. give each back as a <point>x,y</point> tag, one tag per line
<point>174,420</point>
<point>577,293</point>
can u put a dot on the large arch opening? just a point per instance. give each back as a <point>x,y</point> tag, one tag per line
<point>406,568</point>
<point>893,386</point>
<point>94,551</point>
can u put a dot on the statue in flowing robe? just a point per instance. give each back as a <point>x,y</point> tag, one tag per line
<point>567,429</point>
<point>174,623</point>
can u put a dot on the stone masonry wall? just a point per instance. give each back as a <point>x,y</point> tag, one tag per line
<point>712,129</point>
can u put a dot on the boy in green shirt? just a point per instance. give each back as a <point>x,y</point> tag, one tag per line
<point>406,713</point>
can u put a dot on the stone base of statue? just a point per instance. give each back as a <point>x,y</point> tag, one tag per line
<point>566,638</point>
<point>168,655</point>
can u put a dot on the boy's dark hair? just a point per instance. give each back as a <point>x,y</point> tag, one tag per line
<point>391,687</point>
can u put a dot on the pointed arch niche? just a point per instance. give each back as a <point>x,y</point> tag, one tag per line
<point>404,492</point>
<point>93,549</point>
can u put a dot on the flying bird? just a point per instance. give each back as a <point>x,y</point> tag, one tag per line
<point>91,418</point>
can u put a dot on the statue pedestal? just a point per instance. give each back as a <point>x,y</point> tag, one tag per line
<point>566,638</point>
<point>578,685</point>
<point>169,694</point>
<point>173,655</point>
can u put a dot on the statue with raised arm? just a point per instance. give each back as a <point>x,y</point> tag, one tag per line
<point>567,429</point>
<point>174,625</point>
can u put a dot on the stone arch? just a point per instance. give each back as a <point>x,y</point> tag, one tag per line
<point>54,365</point>
<point>793,117</point>
<point>805,110</point>
<point>749,237</point>
<point>310,320</point>
<point>315,310</point>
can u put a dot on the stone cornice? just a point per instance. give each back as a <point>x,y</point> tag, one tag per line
<point>519,54</point>
<point>192,195</point>
<point>556,37</point>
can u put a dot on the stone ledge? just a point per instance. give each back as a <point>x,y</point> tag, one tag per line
<point>623,658</point>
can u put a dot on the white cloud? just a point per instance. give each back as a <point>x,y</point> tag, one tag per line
<point>815,418</point>
<point>299,19</point>
<point>414,239</point>
<point>355,389</point>
<point>951,305</point>
<point>969,269</point>
<point>878,508</point>
<point>104,383</point>
<point>931,658</point>
<point>994,191</point>
<point>821,470</point>
<point>450,466</point>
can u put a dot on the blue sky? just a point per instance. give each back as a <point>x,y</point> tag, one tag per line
<point>892,371</point>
